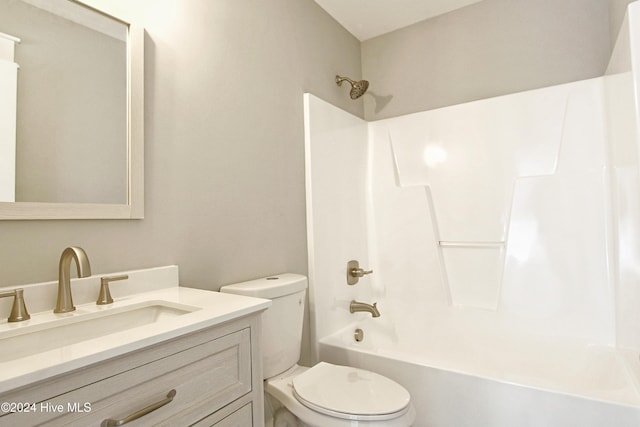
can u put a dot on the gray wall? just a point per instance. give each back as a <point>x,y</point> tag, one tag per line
<point>487,49</point>
<point>617,12</point>
<point>224,157</point>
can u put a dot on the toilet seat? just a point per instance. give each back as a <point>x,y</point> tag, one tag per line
<point>281,388</point>
<point>350,393</point>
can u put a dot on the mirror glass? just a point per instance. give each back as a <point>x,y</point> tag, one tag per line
<point>65,108</point>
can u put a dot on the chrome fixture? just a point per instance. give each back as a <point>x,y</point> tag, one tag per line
<point>354,272</point>
<point>358,335</point>
<point>356,306</point>
<point>357,88</point>
<point>19,309</point>
<point>105,294</point>
<point>65,301</point>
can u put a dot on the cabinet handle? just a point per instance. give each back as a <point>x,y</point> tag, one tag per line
<point>110,422</point>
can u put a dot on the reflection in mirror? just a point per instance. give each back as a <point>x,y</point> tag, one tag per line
<point>71,135</point>
<point>70,111</point>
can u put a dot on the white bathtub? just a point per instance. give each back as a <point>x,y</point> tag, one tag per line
<point>463,369</point>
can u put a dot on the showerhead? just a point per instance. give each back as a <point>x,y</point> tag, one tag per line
<point>357,88</point>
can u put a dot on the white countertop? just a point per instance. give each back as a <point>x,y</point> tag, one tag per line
<point>210,309</point>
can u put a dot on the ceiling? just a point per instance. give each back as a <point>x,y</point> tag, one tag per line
<point>370,18</point>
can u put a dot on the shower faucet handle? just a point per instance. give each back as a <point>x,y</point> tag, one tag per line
<point>354,272</point>
<point>360,272</point>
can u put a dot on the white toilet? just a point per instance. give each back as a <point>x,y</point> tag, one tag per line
<point>324,395</point>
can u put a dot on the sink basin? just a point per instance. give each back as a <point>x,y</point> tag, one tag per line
<point>150,310</point>
<point>81,325</point>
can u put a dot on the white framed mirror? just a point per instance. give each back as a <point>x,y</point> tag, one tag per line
<point>71,112</point>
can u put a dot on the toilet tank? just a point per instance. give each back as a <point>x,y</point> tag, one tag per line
<point>282,322</point>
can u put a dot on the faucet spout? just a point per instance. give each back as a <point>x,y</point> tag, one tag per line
<point>356,306</point>
<point>64,303</point>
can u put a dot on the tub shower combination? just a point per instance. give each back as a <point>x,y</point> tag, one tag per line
<point>502,235</point>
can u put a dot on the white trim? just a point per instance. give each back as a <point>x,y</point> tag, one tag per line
<point>134,209</point>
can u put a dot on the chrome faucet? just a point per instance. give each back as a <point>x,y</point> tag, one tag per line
<point>65,301</point>
<point>356,306</point>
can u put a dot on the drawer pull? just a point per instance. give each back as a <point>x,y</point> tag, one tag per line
<point>141,413</point>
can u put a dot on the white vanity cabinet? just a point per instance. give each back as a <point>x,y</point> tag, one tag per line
<point>212,377</point>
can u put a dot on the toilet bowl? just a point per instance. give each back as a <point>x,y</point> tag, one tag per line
<point>324,395</point>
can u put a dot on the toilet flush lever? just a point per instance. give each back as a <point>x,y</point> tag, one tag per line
<point>354,272</point>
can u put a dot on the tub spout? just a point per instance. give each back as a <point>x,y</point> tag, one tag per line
<point>356,306</point>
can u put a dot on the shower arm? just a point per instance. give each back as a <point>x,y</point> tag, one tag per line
<point>339,80</point>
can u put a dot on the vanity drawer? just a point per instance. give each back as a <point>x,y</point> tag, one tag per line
<point>242,417</point>
<point>205,378</point>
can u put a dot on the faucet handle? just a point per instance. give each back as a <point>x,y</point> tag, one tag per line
<point>19,309</point>
<point>354,272</point>
<point>360,272</point>
<point>105,295</point>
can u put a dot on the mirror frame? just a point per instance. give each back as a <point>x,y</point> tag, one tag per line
<point>134,208</point>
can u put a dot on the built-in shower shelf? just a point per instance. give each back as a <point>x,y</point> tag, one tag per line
<point>471,244</point>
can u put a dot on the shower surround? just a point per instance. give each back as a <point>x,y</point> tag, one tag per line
<point>504,237</point>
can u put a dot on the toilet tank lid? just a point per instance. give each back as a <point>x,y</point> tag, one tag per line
<point>270,287</point>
